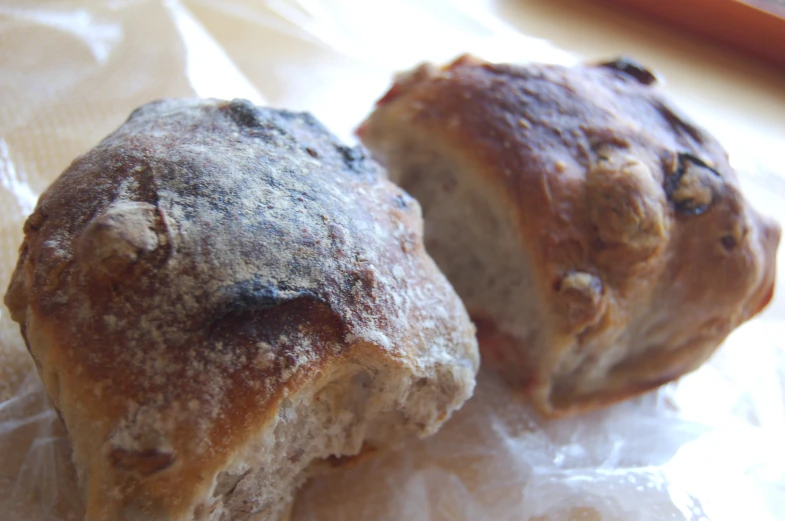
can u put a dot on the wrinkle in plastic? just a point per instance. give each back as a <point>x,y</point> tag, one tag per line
<point>708,447</point>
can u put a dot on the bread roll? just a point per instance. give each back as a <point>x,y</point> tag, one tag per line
<point>597,236</point>
<point>220,296</point>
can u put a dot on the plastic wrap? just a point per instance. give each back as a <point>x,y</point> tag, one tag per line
<point>708,447</point>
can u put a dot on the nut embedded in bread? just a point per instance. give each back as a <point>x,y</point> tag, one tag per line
<point>597,237</point>
<point>218,297</point>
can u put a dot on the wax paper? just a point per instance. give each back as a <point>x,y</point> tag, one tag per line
<point>708,447</point>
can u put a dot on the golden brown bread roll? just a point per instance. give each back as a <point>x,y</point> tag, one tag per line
<point>598,237</point>
<point>219,296</point>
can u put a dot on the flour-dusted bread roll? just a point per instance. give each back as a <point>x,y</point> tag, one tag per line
<point>597,237</point>
<point>218,297</point>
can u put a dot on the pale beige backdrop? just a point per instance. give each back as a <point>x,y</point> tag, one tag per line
<point>707,447</point>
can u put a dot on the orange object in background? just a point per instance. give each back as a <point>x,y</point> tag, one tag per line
<point>756,28</point>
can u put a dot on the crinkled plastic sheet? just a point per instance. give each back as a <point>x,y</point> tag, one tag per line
<point>709,447</point>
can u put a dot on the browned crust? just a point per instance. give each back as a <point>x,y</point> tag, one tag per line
<point>553,140</point>
<point>206,261</point>
<point>500,117</point>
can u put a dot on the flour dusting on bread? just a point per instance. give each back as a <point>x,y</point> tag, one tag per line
<point>190,287</point>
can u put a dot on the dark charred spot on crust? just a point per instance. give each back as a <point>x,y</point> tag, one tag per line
<point>299,129</point>
<point>355,158</point>
<point>305,133</point>
<point>631,68</point>
<point>250,296</point>
<point>262,122</point>
<point>245,113</point>
<point>691,186</point>
<point>350,155</point>
<point>679,125</point>
<point>275,331</point>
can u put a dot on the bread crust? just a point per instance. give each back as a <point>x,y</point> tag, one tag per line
<point>640,250</point>
<point>210,268</point>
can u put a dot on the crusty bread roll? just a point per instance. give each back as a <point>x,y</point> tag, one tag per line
<point>598,238</point>
<point>219,296</point>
